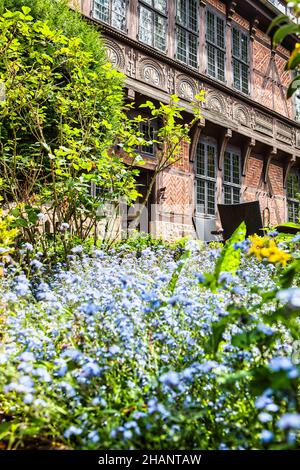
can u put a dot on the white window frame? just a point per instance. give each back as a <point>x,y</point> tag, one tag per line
<point>188,32</point>
<point>293,201</point>
<point>110,16</point>
<point>240,61</point>
<point>206,141</point>
<point>154,12</point>
<point>230,184</point>
<point>214,45</point>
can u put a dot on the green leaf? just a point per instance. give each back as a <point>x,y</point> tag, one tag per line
<point>26,10</point>
<point>176,273</point>
<point>290,272</point>
<point>284,31</point>
<point>278,20</point>
<point>230,258</point>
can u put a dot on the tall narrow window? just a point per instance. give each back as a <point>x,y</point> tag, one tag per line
<point>148,130</point>
<point>187,32</point>
<point>293,203</point>
<point>240,60</point>
<point>297,105</point>
<point>153,23</point>
<point>215,45</point>
<point>112,12</point>
<point>232,177</point>
<point>206,178</point>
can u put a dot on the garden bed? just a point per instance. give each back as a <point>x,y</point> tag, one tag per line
<point>112,354</point>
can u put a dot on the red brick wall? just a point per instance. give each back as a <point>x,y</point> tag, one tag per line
<point>218,5</point>
<point>241,21</point>
<point>270,80</point>
<point>183,164</point>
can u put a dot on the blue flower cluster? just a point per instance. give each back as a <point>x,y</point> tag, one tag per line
<point>105,355</point>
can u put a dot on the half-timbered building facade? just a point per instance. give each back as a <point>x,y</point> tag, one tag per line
<point>247,146</point>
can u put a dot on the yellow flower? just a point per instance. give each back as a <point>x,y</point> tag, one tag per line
<point>266,248</point>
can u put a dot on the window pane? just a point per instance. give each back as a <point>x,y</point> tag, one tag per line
<point>193,18</point>
<point>220,32</point>
<point>293,211</point>
<point>147,130</point>
<point>236,195</point>
<point>210,26</point>
<point>236,169</point>
<point>211,193</point>
<point>181,12</point>
<point>227,166</point>
<point>118,14</point>
<point>236,74</point>
<point>200,159</point>
<point>160,32</point>
<point>211,60</point>
<point>211,169</point>
<point>244,48</point>
<point>244,78</point>
<point>292,185</point>
<point>227,194</point>
<point>161,5</point>
<point>200,196</point>
<point>146,25</point>
<point>235,43</point>
<point>101,10</point>
<point>193,51</point>
<point>220,65</point>
<point>181,45</point>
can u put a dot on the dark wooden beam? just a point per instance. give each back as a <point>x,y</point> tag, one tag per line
<point>287,168</point>
<point>195,136</point>
<point>270,155</point>
<point>223,141</point>
<point>246,152</point>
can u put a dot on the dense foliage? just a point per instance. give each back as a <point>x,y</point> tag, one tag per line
<point>288,28</point>
<point>59,16</point>
<point>142,351</point>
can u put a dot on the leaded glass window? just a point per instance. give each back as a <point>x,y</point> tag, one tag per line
<point>293,203</point>
<point>215,45</point>
<point>113,12</point>
<point>153,23</point>
<point>297,105</point>
<point>206,174</point>
<point>240,60</point>
<point>187,32</point>
<point>232,177</point>
<point>148,130</point>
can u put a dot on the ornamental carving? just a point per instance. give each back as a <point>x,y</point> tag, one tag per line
<point>150,72</point>
<point>115,55</point>
<point>263,123</point>
<point>216,102</point>
<point>242,115</point>
<point>185,88</point>
<point>151,75</point>
<point>284,133</point>
<point>186,91</point>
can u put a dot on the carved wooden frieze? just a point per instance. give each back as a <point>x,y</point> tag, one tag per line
<point>166,77</point>
<point>185,87</point>
<point>131,57</point>
<point>242,114</point>
<point>151,72</point>
<point>284,133</point>
<point>297,138</point>
<point>264,123</point>
<point>216,101</point>
<point>171,81</point>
